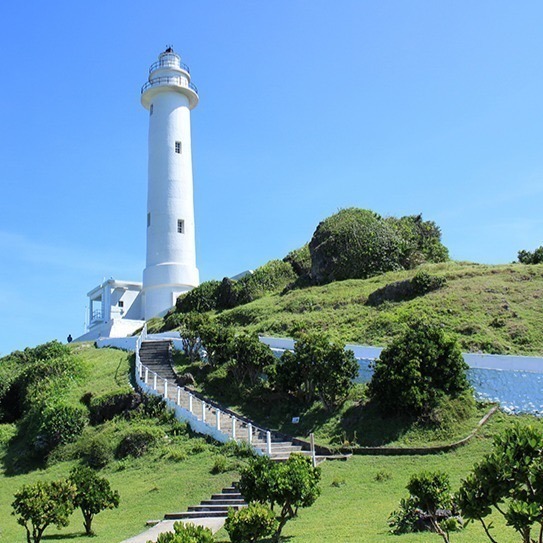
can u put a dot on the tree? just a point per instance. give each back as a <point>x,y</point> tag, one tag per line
<point>93,494</point>
<point>509,481</point>
<point>39,505</point>
<point>318,367</point>
<point>527,257</point>
<point>189,329</point>
<point>416,370</point>
<point>248,358</point>
<point>286,486</point>
<point>251,523</point>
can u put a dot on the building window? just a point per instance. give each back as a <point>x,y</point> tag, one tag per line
<point>121,303</point>
<point>151,109</point>
<point>148,220</point>
<point>181,226</point>
<point>178,147</point>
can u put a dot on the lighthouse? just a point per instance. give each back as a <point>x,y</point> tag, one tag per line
<point>169,96</point>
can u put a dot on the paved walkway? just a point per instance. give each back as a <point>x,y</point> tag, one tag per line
<point>213,523</point>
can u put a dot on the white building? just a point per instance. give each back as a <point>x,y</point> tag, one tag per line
<point>118,308</point>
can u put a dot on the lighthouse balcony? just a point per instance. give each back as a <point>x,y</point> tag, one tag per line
<point>169,81</point>
<point>168,63</point>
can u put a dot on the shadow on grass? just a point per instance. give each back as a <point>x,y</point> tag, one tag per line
<point>62,537</point>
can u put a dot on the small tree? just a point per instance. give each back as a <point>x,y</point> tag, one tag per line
<point>251,523</point>
<point>318,367</point>
<point>189,329</point>
<point>287,485</point>
<point>249,357</point>
<point>93,494</point>
<point>415,370</point>
<point>39,505</point>
<point>509,480</point>
<point>529,257</point>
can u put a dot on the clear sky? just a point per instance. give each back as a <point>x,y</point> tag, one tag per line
<point>305,107</point>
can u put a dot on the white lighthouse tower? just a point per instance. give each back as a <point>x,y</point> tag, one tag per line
<point>170,270</point>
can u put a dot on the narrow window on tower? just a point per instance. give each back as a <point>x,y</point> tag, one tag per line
<point>148,220</point>
<point>178,147</point>
<point>181,226</point>
<point>151,109</point>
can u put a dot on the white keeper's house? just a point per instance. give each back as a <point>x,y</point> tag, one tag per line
<point>118,308</point>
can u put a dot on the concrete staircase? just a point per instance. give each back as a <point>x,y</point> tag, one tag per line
<point>217,506</point>
<point>157,356</point>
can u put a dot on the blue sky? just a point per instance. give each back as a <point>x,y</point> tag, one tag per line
<point>305,107</point>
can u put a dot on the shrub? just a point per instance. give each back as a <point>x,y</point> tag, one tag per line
<point>137,441</point>
<point>186,533</point>
<point>527,257</point>
<point>430,506</point>
<point>287,485</point>
<point>423,282</point>
<point>60,424</point>
<point>200,299</point>
<point>300,260</point>
<point>318,367</point>
<point>248,358</point>
<point>353,244</point>
<point>250,524</point>
<point>93,494</point>
<point>107,406</point>
<point>98,452</point>
<point>416,370</point>
<point>39,505</point>
<point>273,276</point>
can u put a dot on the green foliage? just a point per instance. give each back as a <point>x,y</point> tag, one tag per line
<point>189,329</point>
<point>186,533</point>
<point>420,241</point>
<point>318,367</point>
<point>200,299</point>
<point>527,257</point>
<point>46,351</point>
<point>59,423</point>
<point>300,260</point>
<point>98,452</point>
<point>250,524</point>
<point>358,243</point>
<point>423,282</point>
<point>137,441</point>
<point>216,340</point>
<point>286,485</point>
<point>109,405</point>
<point>509,480</point>
<point>427,507</point>
<point>353,244</point>
<point>93,494</point>
<point>416,370</point>
<point>39,505</point>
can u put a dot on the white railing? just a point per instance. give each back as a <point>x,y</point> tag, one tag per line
<point>202,416</point>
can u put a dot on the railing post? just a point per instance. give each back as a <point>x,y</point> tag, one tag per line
<point>140,370</point>
<point>154,381</point>
<point>312,442</point>
<point>166,389</point>
<point>203,411</point>
<point>218,416</point>
<point>233,428</point>
<point>268,442</point>
<point>178,395</point>
<point>146,375</point>
<point>250,433</point>
<point>190,402</point>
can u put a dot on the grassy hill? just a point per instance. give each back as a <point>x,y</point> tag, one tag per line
<point>493,309</point>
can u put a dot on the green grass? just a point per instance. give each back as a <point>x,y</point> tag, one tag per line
<point>494,309</point>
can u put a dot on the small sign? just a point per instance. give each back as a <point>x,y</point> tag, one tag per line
<point>295,420</point>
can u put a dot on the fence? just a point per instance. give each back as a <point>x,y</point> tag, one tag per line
<point>202,416</point>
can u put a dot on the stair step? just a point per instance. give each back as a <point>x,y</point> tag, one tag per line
<point>227,496</point>
<point>215,508</point>
<point>236,501</point>
<point>195,514</point>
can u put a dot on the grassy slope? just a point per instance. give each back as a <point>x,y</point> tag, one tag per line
<point>495,309</point>
<point>149,486</point>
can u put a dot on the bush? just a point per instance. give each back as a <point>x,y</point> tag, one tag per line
<point>250,524</point>
<point>60,424</point>
<point>423,282</point>
<point>319,368</point>
<point>186,533</point>
<point>353,244</point>
<point>248,359</point>
<point>202,298</point>
<point>107,406</point>
<point>527,257</point>
<point>300,260</point>
<point>288,485</point>
<point>273,276</point>
<point>416,370</point>
<point>137,441</point>
<point>98,452</point>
